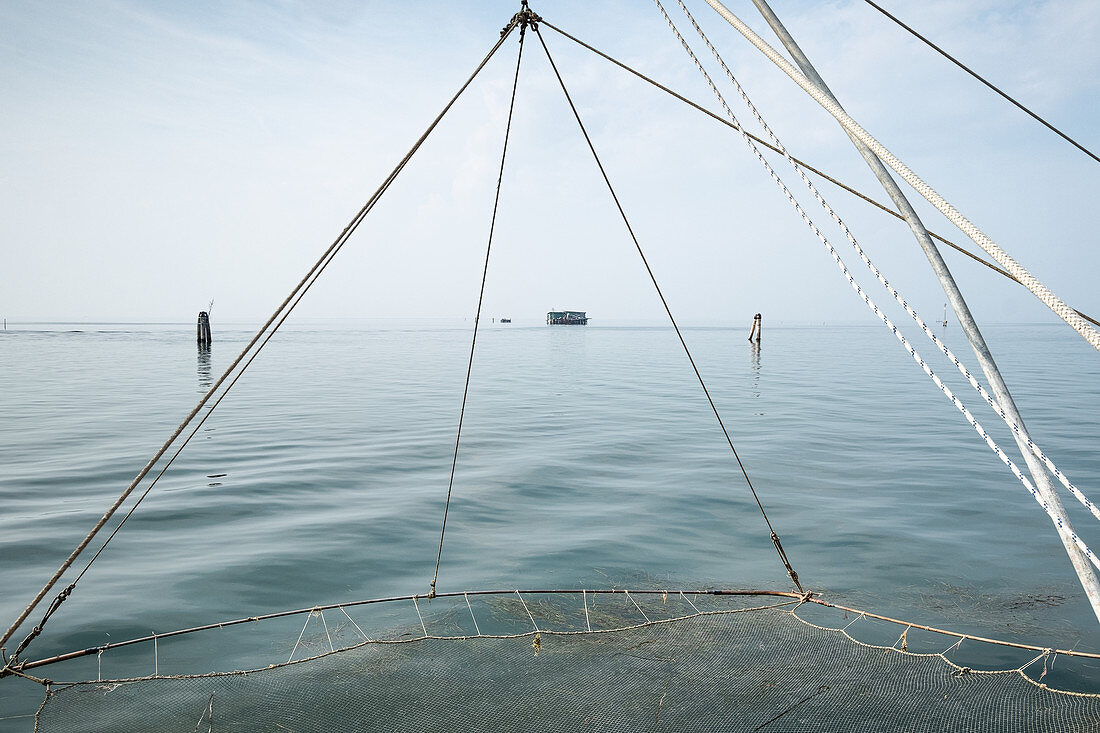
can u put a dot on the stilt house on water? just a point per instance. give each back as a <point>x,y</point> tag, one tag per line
<point>566,318</point>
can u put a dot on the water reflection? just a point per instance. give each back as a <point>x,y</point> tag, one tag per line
<point>754,360</point>
<point>206,379</point>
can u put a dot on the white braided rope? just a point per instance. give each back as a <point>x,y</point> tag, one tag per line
<point>874,308</point>
<point>1052,301</point>
<point>1021,435</point>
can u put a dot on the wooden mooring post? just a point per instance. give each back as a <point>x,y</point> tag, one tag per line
<point>204,329</point>
<point>757,328</point>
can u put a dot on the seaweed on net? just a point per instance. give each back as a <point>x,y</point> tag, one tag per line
<point>729,663</point>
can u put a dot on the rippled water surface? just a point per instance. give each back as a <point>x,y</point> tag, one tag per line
<point>589,457</point>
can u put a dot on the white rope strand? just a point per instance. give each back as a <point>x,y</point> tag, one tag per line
<point>300,635</point>
<point>528,610</point>
<point>1052,301</point>
<point>857,618</point>
<point>361,632</point>
<point>689,602</point>
<point>636,605</point>
<point>476,627</point>
<point>331,648</point>
<point>874,308</point>
<point>419,616</point>
<point>1021,435</point>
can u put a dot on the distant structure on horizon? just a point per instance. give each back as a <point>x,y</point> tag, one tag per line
<point>566,318</point>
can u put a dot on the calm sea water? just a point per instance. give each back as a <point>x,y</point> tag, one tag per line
<point>590,458</point>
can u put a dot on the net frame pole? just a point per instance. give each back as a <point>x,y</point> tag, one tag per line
<point>1043,483</point>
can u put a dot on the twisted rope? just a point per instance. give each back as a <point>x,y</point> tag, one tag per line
<point>804,164</point>
<point>874,308</point>
<point>1040,291</point>
<point>779,147</point>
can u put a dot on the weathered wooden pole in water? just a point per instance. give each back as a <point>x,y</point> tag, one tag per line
<point>757,328</point>
<point>204,329</point>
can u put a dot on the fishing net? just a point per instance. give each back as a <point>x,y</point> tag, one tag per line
<point>679,662</point>
<point>665,662</point>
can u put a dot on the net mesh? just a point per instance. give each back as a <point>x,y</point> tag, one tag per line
<point>736,668</point>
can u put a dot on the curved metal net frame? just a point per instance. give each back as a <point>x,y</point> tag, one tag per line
<point>570,660</point>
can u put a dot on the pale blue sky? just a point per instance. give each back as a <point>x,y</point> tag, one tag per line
<point>158,154</point>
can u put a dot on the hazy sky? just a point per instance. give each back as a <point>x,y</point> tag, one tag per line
<point>159,154</point>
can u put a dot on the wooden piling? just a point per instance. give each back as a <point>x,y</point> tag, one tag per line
<point>203,330</point>
<point>757,328</point>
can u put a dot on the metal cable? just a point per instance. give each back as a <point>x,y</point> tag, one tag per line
<point>775,537</point>
<point>200,423</point>
<point>1002,401</point>
<point>1014,426</point>
<point>304,284</point>
<point>198,426</point>
<point>1037,288</point>
<point>480,300</point>
<point>866,298</point>
<point>802,163</point>
<point>989,84</point>
<point>1043,491</point>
